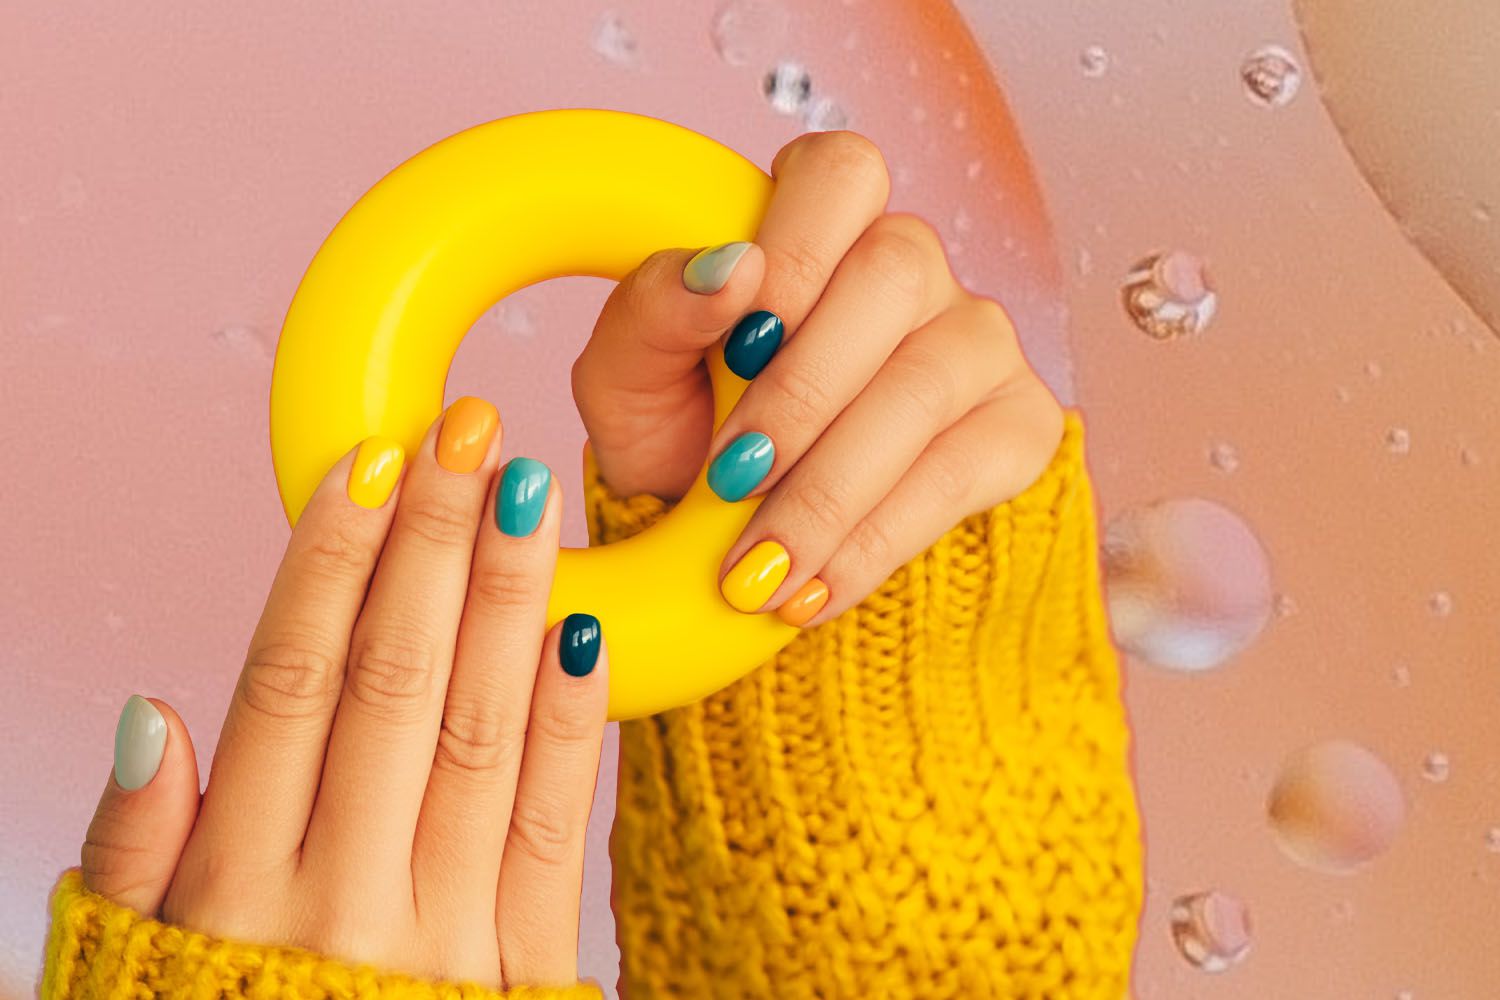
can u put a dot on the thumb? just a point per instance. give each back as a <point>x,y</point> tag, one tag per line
<point>640,386</point>
<point>147,809</point>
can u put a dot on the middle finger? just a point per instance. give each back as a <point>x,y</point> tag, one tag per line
<point>386,725</point>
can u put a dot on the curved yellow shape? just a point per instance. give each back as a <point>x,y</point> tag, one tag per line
<point>372,330</point>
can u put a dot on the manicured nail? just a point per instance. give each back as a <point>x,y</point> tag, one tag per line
<point>465,436</point>
<point>756,576</point>
<point>140,738</point>
<point>578,645</point>
<point>751,343</point>
<point>521,499</point>
<point>806,602</point>
<point>377,466</point>
<point>741,466</point>
<point>711,267</point>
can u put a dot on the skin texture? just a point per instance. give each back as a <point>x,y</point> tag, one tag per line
<point>405,770</point>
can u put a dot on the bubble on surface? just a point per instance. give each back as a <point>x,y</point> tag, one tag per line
<point>1335,807</point>
<point>1094,60</point>
<point>1224,457</point>
<point>1440,604</point>
<point>511,318</point>
<point>1435,767</point>
<point>825,115</point>
<point>1398,441</point>
<point>614,41</point>
<point>1189,584</point>
<point>1401,675</point>
<point>1285,605</point>
<point>1271,76</point>
<point>787,87</point>
<point>745,32</point>
<point>1211,929</point>
<point>245,339</point>
<point>1170,295</point>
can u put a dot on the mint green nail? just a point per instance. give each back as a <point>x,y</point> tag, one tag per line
<point>140,739</point>
<point>710,268</point>
<point>522,497</point>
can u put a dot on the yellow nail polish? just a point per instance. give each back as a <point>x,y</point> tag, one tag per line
<point>756,576</point>
<point>377,466</point>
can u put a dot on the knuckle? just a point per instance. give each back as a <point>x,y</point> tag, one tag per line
<point>951,474</point>
<point>799,398</point>
<point>870,543</point>
<point>821,506</point>
<point>392,675</point>
<point>337,553</point>
<point>541,830</point>
<point>896,258</point>
<point>473,740</point>
<point>925,384</point>
<point>288,679</point>
<point>797,266</point>
<point>437,519</point>
<point>504,588</point>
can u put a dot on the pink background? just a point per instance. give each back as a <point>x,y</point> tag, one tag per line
<point>169,171</point>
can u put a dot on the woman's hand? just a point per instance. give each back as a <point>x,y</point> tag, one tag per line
<point>887,401</point>
<point>406,768</point>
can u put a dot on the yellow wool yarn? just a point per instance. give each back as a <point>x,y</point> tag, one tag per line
<point>927,796</point>
<point>99,950</point>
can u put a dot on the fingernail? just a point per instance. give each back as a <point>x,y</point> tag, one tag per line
<point>806,602</point>
<point>578,645</point>
<point>522,497</point>
<point>465,436</point>
<point>756,576</point>
<point>750,345</point>
<point>140,738</point>
<point>377,466</point>
<point>741,466</point>
<point>711,267</point>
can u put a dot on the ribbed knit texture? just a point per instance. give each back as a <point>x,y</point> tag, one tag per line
<point>97,950</point>
<point>927,796</point>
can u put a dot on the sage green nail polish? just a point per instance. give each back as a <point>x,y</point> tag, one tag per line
<point>522,497</point>
<point>710,268</point>
<point>140,739</point>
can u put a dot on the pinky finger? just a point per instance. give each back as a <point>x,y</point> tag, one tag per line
<point>990,455</point>
<point>541,868</point>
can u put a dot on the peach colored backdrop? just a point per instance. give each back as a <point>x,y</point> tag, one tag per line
<point>170,169</point>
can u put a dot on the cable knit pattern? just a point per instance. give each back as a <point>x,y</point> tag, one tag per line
<point>99,950</point>
<point>927,796</point>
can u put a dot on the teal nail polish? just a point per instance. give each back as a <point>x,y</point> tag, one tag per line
<point>751,343</point>
<point>710,268</point>
<point>522,496</point>
<point>140,739</point>
<point>741,466</point>
<point>578,644</point>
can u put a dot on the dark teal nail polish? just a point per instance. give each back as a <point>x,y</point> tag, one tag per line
<point>522,497</point>
<point>741,466</point>
<point>578,645</point>
<point>750,345</point>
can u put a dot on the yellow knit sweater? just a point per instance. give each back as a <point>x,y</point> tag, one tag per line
<point>927,796</point>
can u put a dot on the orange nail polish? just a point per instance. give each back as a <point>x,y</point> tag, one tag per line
<point>806,602</point>
<point>465,435</point>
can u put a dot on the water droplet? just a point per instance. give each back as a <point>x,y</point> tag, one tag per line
<point>1440,604</point>
<point>1492,839</point>
<point>1335,806</point>
<point>1435,767</point>
<point>1285,605</point>
<point>918,114</point>
<point>1224,457</point>
<point>902,175</point>
<point>960,119</point>
<point>1401,675</point>
<point>825,115</point>
<point>1405,995</point>
<point>962,221</point>
<point>1211,929</point>
<point>1342,392</point>
<point>246,340</point>
<point>787,87</point>
<point>745,32</point>
<point>1468,456</point>
<point>1372,369</point>
<point>973,169</point>
<point>1094,60</point>
<point>1170,295</point>
<point>1483,212</point>
<point>512,319</point>
<point>614,41</point>
<point>1398,441</point>
<point>1271,76</point>
<point>913,68</point>
<point>1189,584</point>
<point>1085,262</point>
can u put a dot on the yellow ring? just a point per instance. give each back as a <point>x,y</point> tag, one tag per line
<point>374,325</point>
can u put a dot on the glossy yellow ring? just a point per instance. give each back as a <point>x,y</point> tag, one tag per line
<point>374,325</point>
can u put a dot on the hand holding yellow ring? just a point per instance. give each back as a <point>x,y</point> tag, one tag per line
<point>375,323</point>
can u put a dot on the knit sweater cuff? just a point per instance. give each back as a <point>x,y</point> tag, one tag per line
<point>99,949</point>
